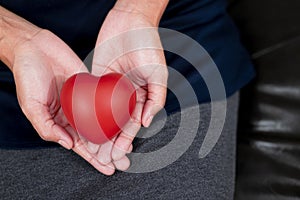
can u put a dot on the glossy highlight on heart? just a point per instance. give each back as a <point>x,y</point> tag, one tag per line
<point>98,107</point>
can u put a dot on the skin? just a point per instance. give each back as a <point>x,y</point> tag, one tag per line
<point>41,62</point>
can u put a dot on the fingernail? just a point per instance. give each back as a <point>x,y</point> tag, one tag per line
<point>64,144</point>
<point>148,121</point>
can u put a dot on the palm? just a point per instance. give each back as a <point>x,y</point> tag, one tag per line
<point>39,74</point>
<point>43,84</point>
<point>133,49</point>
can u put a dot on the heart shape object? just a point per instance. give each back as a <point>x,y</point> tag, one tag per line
<point>98,107</point>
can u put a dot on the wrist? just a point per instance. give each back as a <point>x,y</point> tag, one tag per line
<point>151,9</point>
<point>14,30</point>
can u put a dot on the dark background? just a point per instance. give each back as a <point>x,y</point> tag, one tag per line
<point>269,123</point>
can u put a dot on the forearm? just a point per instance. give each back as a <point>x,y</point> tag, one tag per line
<point>13,30</point>
<point>152,9</point>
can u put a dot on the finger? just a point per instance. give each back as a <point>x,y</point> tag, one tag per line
<point>93,148</point>
<point>129,131</point>
<point>122,164</point>
<point>81,150</point>
<point>38,114</point>
<point>130,149</point>
<point>156,97</point>
<point>104,153</point>
<point>124,140</point>
<point>108,169</point>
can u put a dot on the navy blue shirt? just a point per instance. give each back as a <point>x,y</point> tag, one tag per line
<point>78,24</point>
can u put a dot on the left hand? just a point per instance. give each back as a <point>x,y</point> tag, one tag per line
<point>146,67</point>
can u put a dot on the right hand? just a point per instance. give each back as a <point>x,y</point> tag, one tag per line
<point>40,67</point>
<point>41,63</point>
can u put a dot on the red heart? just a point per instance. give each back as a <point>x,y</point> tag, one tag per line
<point>98,107</point>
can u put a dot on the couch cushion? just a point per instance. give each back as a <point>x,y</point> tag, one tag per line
<point>269,127</point>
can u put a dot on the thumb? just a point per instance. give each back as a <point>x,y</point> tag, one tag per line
<point>156,97</point>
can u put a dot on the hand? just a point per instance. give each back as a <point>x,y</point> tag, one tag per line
<point>40,67</point>
<point>121,32</point>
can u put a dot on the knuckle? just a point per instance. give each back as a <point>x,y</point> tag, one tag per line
<point>135,120</point>
<point>104,160</point>
<point>46,136</point>
<point>165,72</point>
<point>128,138</point>
<point>159,103</point>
